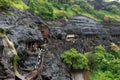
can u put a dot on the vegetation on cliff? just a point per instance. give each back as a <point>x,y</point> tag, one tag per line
<point>8,48</point>
<point>104,65</point>
<point>74,60</point>
<point>53,9</point>
<point>19,4</point>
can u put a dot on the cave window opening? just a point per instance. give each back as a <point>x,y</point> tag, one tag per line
<point>59,36</point>
<point>91,36</point>
<point>118,36</point>
<point>115,36</point>
<point>31,46</point>
<point>71,37</point>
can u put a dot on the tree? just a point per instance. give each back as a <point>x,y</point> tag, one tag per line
<point>5,3</point>
<point>74,60</point>
<point>113,9</point>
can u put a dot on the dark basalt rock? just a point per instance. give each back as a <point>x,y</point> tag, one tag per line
<point>90,32</point>
<point>100,4</point>
<point>113,30</point>
<point>54,69</point>
<point>22,27</point>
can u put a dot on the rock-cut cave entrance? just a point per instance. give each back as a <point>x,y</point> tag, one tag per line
<point>91,36</point>
<point>32,46</point>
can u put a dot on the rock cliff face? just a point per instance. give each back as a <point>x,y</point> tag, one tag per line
<point>21,27</point>
<point>6,54</point>
<point>100,4</point>
<point>90,33</point>
<point>24,31</point>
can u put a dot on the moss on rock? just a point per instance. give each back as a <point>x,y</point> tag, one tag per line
<point>2,32</point>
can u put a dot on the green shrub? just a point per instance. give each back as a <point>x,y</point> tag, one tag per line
<point>100,75</point>
<point>113,9</point>
<point>91,61</point>
<point>69,12</point>
<point>5,3</point>
<point>58,6</point>
<point>74,60</point>
<point>53,9</point>
<point>60,14</point>
<point>75,8</point>
<point>107,64</point>
<point>103,58</point>
<point>44,9</point>
<point>19,4</point>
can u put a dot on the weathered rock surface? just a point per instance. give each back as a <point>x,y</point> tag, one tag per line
<point>23,27</point>
<point>90,32</point>
<point>54,69</point>
<point>100,4</point>
<point>6,55</point>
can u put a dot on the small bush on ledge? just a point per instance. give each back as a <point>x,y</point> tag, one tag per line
<point>74,60</point>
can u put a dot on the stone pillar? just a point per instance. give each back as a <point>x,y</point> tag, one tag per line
<point>77,76</point>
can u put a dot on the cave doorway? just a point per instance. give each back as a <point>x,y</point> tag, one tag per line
<point>32,46</point>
